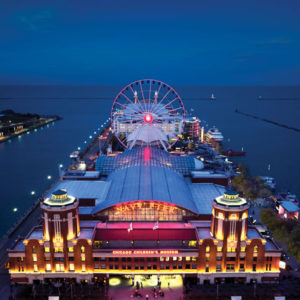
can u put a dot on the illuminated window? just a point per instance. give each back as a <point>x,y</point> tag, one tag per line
<point>96,244</point>
<point>174,258</point>
<point>218,268</point>
<point>83,268</point>
<point>82,257</point>
<point>72,267</point>
<point>187,258</point>
<point>82,249</point>
<point>230,267</point>
<point>221,215</point>
<point>245,215</point>
<point>243,249</point>
<point>192,243</point>
<point>254,268</point>
<point>167,258</point>
<point>242,267</point>
<point>207,249</point>
<point>59,267</point>
<point>48,267</point>
<point>35,268</point>
<point>47,249</point>
<point>255,250</point>
<point>194,258</point>
<point>71,249</point>
<point>230,249</point>
<point>58,250</point>
<point>33,249</point>
<point>219,249</point>
<point>233,217</point>
<point>161,259</point>
<point>34,257</point>
<point>180,258</point>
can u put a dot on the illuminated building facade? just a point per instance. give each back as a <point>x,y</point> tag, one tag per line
<point>143,219</point>
<point>192,127</point>
<point>144,211</point>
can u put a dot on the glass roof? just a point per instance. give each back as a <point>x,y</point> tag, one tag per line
<point>145,156</point>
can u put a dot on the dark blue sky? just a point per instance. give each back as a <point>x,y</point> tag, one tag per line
<point>216,42</point>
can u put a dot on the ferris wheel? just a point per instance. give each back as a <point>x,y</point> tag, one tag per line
<point>147,112</point>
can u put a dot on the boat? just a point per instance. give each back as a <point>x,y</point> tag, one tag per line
<point>212,97</point>
<point>215,134</point>
<point>230,152</point>
<point>74,155</point>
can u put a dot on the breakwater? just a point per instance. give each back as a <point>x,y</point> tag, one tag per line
<point>268,121</point>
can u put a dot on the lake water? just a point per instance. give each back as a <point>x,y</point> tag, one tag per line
<point>26,162</point>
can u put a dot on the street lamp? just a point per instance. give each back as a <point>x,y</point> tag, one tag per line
<point>49,177</point>
<point>32,193</point>
<point>15,209</point>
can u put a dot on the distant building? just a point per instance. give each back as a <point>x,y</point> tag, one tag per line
<point>192,127</point>
<point>288,210</point>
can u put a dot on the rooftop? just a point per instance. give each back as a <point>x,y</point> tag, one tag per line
<point>203,194</point>
<point>149,156</point>
<point>36,233</point>
<point>289,206</point>
<point>204,233</point>
<point>83,189</point>
<point>253,233</point>
<point>86,233</point>
<point>149,183</point>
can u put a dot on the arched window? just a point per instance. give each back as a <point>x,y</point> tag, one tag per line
<point>207,249</point>
<point>255,250</point>
<point>82,249</point>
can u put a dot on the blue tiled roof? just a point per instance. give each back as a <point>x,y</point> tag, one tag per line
<point>289,206</point>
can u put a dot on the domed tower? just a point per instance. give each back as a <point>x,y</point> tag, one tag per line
<point>60,217</point>
<point>229,218</point>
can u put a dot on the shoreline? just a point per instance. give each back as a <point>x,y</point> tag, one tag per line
<point>45,121</point>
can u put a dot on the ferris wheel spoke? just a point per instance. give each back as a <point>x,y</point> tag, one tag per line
<point>166,105</point>
<point>153,103</point>
<point>163,98</point>
<point>175,109</point>
<point>134,121</point>
<point>134,116</point>
<point>149,104</point>
<point>127,107</point>
<point>143,96</point>
<point>137,98</point>
<point>131,101</point>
